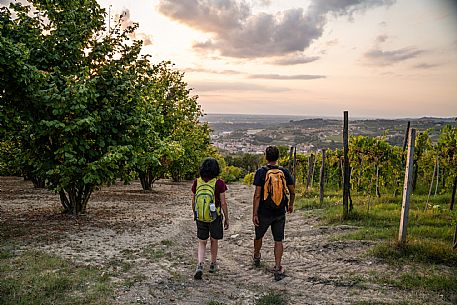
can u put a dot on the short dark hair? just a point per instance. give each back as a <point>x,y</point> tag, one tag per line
<point>209,168</point>
<point>272,153</point>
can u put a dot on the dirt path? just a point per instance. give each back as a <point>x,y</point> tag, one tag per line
<point>146,241</point>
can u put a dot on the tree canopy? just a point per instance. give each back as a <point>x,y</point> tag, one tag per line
<point>80,103</point>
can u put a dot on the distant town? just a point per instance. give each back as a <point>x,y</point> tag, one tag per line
<point>253,133</point>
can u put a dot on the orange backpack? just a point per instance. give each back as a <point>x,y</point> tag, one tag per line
<point>275,189</point>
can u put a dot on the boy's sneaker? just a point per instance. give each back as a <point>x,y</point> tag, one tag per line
<point>198,272</point>
<point>279,273</point>
<point>256,260</point>
<point>213,267</point>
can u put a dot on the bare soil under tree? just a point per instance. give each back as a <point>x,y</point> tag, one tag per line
<point>147,242</point>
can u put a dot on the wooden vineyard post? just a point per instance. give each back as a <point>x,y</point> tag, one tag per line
<point>312,174</point>
<point>295,164</point>
<point>454,189</point>
<point>405,141</point>
<point>346,173</point>
<point>310,170</point>
<point>289,162</point>
<point>455,238</point>
<point>431,183</point>
<point>321,198</point>
<point>437,174</point>
<point>407,187</point>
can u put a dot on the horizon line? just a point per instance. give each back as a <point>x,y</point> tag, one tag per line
<point>334,116</point>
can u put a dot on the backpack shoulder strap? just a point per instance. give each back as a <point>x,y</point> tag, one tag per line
<point>211,183</point>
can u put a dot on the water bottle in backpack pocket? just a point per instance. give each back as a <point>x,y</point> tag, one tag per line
<point>212,210</point>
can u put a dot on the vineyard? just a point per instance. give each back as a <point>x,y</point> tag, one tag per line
<point>97,147</point>
<point>378,168</point>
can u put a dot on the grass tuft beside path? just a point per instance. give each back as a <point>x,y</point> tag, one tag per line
<point>431,262</point>
<point>34,277</point>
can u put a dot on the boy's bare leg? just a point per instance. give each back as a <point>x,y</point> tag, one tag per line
<point>214,247</point>
<point>257,247</point>
<point>201,251</point>
<point>278,253</point>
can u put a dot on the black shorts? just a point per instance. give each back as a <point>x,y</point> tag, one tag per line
<point>277,224</point>
<point>213,229</point>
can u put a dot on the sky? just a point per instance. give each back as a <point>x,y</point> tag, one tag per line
<point>373,58</point>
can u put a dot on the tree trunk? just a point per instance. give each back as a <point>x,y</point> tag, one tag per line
<point>146,184</point>
<point>74,199</point>
<point>454,187</point>
<point>147,179</point>
<point>38,183</point>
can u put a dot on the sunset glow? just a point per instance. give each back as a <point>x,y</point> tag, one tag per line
<point>375,58</point>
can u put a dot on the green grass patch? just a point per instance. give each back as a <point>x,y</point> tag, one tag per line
<point>428,252</point>
<point>120,265</point>
<point>272,298</point>
<point>37,278</point>
<point>425,280</point>
<point>382,303</point>
<point>429,238</point>
<point>131,281</point>
<point>153,253</point>
<point>379,218</point>
<point>167,242</point>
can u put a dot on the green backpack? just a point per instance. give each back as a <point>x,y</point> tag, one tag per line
<point>204,196</point>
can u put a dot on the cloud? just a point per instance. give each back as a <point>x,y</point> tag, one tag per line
<point>295,60</point>
<point>7,2</point>
<point>252,76</point>
<point>126,22</point>
<point>233,86</point>
<point>237,32</point>
<point>380,57</point>
<point>203,70</point>
<point>332,43</point>
<point>426,66</point>
<point>265,2</point>
<point>381,38</point>
<point>286,77</point>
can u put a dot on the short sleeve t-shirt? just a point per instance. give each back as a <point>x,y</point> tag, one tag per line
<point>221,187</point>
<point>259,180</point>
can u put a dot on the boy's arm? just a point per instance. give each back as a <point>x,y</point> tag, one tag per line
<point>225,211</point>
<point>255,205</point>
<point>290,207</point>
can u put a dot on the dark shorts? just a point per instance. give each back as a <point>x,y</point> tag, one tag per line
<point>277,224</point>
<point>213,229</point>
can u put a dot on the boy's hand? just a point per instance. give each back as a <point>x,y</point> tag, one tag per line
<point>226,224</point>
<point>255,220</point>
<point>290,208</point>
